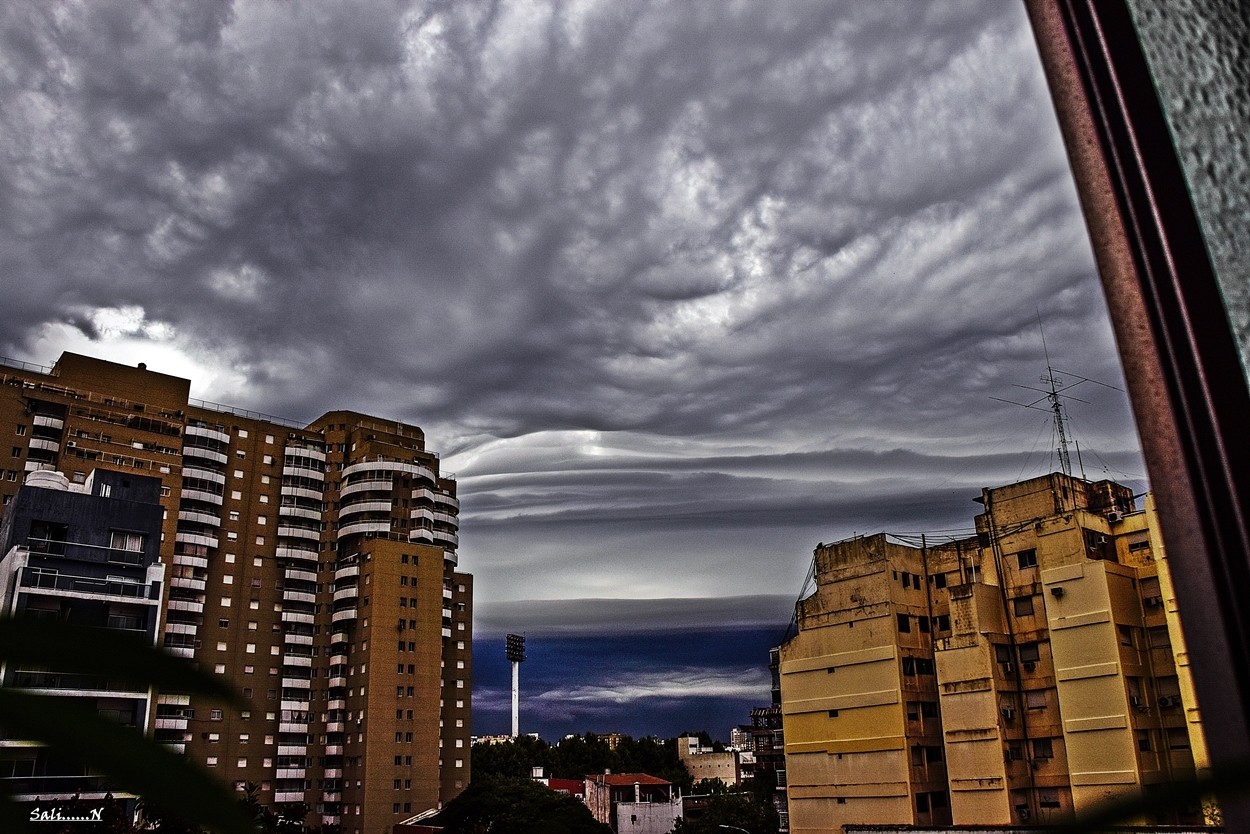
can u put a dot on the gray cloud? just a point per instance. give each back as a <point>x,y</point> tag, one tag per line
<point>645,272</point>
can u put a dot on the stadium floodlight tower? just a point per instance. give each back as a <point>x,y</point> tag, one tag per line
<point>514,648</point>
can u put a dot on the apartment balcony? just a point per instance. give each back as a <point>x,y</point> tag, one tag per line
<point>204,454</point>
<point>360,527</point>
<point>421,534</point>
<point>181,651</point>
<point>289,705</point>
<point>285,531</point>
<point>303,472</point>
<point>296,660</point>
<point>337,681</point>
<point>300,512</point>
<point>331,796</point>
<point>204,431</point>
<point>292,749</point>
<point>344,615</point>
<point>190,605</point>
<point>389,466</point>
<point>201,496</point>
<point>299,575</point>
<point>335,703</point>
<point>338,659</point>
<point>438,498</point>
<point>188,560</point>
<point>368,485</point>
<point>446,518</point>
<point>290,773</point>
<point>346,593</point>
<point>334,749</point>
<point>189,583</point>
<point>88,587</point>
<point>380,507</point>
<point>335,726</point>
<point>346,571</point>
<point>296,551</point>
<point>304,452</point>
<point>297,617</point>
<point>422,514</point>
<point>295,683</point>
<point>446,632</point>
<point>44,445</point>
<point>292,491</point>
<point>170,724</point>
<point>297,639</point>
<point>446,538</point>
<point>199,517</point>
<point>196,538</point>
<point>68,683</point>
<point>299,596</point>
<point>46,421</point>
<point>193,471</point>
<point>288,796</point>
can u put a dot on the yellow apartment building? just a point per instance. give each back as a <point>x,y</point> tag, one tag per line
<point>1057,671</point>
<point>315,566</point>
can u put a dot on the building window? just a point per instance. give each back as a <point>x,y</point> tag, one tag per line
<point>904,624</point>
<point>214,715</point>
<point>119,540</point>
<point>1027,558</point>
<point>1035,699</point>
<point>1023,606</point>
<point>211,761</point>
<point>1043,748</point>
<point>1048,797</point>
<point>1029,653</point>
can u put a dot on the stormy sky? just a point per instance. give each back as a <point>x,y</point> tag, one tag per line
<point>677,289</point>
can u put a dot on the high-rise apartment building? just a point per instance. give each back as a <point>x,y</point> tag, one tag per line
<point>1015,677</point>
<point>315,566</point>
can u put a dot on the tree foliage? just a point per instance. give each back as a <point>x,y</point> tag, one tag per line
<point>739,810</point>
<point>516,806</point>
<point>78,734</point>
<point>579,756</point>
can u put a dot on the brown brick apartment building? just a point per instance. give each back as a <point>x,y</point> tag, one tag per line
<point>313,566</point>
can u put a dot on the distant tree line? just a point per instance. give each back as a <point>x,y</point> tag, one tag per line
<point>576,757</point>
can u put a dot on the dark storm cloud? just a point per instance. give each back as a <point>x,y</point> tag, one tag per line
<point>682,266</point>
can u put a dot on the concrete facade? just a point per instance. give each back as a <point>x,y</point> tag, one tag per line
<point>315,566</point>
<point>1051,674</point>
<point>86,554</point>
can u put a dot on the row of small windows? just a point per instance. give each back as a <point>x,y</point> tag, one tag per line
<point>941,622</point>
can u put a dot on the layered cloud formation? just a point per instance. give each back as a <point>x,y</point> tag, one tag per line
<point>679,289</point>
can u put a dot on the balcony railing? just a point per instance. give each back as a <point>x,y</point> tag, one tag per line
<point>88,585</point>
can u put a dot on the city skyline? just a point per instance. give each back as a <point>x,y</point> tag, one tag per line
<point>679,291</point>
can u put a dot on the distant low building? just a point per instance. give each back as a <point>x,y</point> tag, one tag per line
<point>707,763</point>
<point>632,803</point>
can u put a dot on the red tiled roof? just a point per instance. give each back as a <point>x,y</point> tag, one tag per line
<point>575,787</point>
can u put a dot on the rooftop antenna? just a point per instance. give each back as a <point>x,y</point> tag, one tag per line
<point>1055,385</point>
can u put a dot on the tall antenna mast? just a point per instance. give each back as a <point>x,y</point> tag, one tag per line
<point>1053,384</point>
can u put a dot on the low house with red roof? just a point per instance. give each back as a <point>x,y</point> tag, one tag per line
<point>632,803</point>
